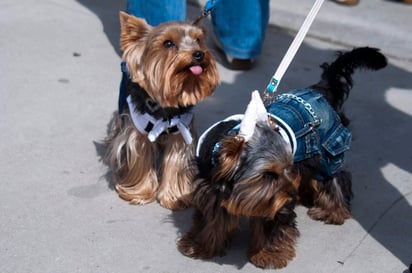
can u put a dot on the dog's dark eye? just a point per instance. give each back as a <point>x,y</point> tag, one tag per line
<point>168,44</point>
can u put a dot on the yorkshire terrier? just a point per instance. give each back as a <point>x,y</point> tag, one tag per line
<point>151,138</point>
<point>261,164</point>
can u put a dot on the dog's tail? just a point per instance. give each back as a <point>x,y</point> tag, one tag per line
<point>336,81</point>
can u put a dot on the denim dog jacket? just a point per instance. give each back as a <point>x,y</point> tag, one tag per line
<point>317,127</point>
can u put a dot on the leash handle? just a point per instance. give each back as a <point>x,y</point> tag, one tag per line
<point>291,52</point>
<point>209,6</point>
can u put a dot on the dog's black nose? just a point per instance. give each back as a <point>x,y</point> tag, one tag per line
<point>198,55</point>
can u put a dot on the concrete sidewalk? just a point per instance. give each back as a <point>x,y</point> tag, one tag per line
<point>59,77</point>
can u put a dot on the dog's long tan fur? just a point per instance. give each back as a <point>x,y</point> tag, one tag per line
<point>160,62</point>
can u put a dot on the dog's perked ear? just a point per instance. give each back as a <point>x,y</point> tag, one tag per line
<point>133,30</point>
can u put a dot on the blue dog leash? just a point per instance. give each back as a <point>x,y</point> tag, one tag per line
<point>209,6</point>
<point>207,9</point>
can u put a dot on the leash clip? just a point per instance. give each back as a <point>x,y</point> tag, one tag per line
<point>269,93</point>
<point>209,6</point>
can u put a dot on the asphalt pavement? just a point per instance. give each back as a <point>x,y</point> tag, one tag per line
<point>59,78</point>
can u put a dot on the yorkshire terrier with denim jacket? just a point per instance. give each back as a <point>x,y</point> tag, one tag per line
<point>261,164</point>
<point>167,70</point>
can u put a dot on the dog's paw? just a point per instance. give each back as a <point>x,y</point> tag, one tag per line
<point>335,217</point>
<point>134,198</point>
<point>269,260</point>
<point>189,247</point>
<point>173,204</point>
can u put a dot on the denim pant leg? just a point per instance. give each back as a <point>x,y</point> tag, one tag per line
<point>157,11</point>
<point>240,25</point>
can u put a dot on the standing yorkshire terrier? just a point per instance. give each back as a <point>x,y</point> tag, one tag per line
<point>150,143</point>
<point>261,164</point>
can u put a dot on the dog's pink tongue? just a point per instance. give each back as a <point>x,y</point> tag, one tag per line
<point>196,69</point>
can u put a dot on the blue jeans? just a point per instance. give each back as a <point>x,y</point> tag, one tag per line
<point>157,11</point>
<point>239,25</point>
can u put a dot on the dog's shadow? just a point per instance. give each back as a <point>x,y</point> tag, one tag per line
<point>380,157</point>
<point>101,147</point>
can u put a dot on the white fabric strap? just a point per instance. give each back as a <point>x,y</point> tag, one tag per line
<point>141,121</point>
<point>293,48</point>
<point>203,136</point>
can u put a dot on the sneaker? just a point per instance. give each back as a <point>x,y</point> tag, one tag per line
<point>347,2</point>
<point>238,64</point>
<point>231,62</point>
